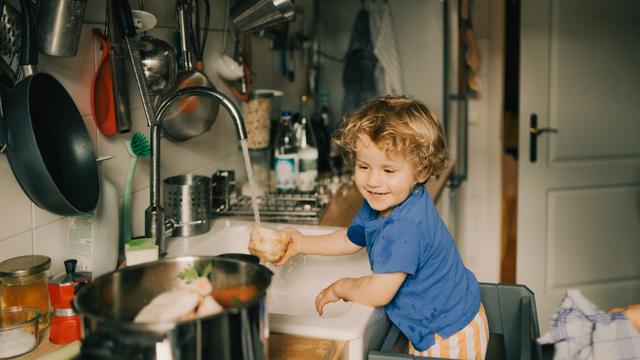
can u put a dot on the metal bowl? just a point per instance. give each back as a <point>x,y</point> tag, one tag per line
<point>18,330</point>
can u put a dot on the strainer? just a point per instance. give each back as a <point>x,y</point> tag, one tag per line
<point>10,33</point>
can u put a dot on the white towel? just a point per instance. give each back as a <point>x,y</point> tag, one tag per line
<point>580,330</point>
<point>388,73</point>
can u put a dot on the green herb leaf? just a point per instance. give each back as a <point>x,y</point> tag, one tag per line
<point>188,274</point>
<point>236,301</point>
<point>207,270</point>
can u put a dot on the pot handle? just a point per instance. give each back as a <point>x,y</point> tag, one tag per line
<point>245,338</point>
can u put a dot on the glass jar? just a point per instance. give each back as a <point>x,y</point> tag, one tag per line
<point>23,282</point>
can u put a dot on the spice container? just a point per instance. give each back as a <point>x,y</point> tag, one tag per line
<point>23,282</point>
<point>18,330</point>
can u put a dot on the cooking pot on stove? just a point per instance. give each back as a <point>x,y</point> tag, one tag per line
<point>109,304</point>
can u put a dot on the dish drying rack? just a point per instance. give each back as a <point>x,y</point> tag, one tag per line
<point>300,208</point>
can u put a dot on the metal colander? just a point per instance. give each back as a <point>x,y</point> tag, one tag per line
<point>10,30</point>
<point>187,200</point>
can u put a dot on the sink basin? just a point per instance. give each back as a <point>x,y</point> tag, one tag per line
<point>291,296</point>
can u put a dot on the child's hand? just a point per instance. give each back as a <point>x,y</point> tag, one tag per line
<point>294,246</point>
<point>328,295</point>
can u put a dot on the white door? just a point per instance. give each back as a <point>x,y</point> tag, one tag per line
<point>579,203</point>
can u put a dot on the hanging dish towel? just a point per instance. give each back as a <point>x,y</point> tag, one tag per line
<point>358,77</point>
<point>580,330</point>
<point>388,72</point>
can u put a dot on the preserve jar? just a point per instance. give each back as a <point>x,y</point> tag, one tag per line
<point>23,282</point>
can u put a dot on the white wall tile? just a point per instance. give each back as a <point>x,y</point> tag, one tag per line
<point>51,240</point>
<point>75,73</point>
<point>16,246</point>
<point>15,208</point>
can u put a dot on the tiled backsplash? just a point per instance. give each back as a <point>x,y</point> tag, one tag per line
<point>27,229</point>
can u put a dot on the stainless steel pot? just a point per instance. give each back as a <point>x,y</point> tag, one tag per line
<point>109,304</point>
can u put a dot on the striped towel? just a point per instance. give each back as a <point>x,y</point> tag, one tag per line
<point>580,330</point>
<point>388,74</point>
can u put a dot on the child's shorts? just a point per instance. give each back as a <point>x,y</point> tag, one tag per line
<point>468,343</point>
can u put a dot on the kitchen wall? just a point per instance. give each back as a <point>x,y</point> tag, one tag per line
<point>472,211</point>
<point>27,229</point>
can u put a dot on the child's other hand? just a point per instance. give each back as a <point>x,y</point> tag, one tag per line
<point>294,246</point>
<point>328,295</point>
<point>632,312</point>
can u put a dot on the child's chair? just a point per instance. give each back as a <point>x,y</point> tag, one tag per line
<point>513,326</point>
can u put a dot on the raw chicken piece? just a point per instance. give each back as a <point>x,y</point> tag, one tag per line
<point>208,306</point>
<point>169,306</point>
<point>202,286</point>
<point>269,245</point>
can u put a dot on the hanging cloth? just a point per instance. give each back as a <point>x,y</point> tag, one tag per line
<point>388,72</point>
<point>358,77</point>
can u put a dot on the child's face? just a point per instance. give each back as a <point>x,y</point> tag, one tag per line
<point>384,181</point>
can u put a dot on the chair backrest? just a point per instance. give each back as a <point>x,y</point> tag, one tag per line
<point>513,322</point>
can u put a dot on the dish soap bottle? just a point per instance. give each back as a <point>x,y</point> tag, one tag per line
<point>93,239</point>
<point>307,151</point>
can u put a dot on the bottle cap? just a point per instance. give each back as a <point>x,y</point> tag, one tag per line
<point>286,113</point>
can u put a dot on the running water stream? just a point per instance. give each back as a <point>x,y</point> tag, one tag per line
<point>252,182</point>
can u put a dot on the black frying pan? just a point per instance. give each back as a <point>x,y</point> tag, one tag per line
<point>48,146</point>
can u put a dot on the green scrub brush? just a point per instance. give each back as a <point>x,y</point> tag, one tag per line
<point>138,147</point>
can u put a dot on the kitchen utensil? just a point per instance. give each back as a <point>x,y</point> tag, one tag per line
<point>187,200</point>
<point>65,322</point>
<point>48,147</point>
<point>120,70</point>
<point>59,26</point>
<point>10,30</point>
<point>158,63</point>
<point>102,99</point>
<point>23,282</point>
<point>158,57</point>
<point>124,18</point>
<point>110,303</point>
<point>228,69</point>
<point>253,15</point>
<point>19,331</point>
<point>138,147</point>
<point>193,115</point>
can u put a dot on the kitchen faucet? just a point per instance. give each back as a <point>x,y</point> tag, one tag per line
<point>156,225</point>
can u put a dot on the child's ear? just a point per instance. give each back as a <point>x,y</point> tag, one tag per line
<point>423,175</point>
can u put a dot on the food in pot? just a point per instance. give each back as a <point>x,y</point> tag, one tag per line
<point>234,296</point>
<point>267,244</point>
<point>181,304</point>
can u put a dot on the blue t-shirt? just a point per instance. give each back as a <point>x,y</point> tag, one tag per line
<point>440,295</point>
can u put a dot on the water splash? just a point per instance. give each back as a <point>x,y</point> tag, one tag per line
<point>252,182</point>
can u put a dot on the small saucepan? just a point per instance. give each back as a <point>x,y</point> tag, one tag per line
<point>48,147</point>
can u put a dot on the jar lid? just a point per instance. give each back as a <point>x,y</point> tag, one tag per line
<point>24,265</point>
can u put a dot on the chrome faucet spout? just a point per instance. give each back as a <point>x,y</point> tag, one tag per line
<point>156,225</point>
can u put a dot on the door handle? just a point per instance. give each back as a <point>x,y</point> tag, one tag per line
<point>534,132</point>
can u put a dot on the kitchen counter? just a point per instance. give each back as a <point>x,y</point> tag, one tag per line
<point>281,346</point>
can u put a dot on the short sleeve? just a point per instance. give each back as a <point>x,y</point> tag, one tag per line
<point>356,232</point>
<point>397,249</point>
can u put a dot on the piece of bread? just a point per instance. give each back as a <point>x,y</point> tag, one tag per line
<point>269,245</point>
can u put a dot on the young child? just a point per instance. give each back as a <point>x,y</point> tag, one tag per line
<point>396,144</point>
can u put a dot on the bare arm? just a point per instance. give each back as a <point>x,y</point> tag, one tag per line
<point>335,243</point>
<point>374,290</point>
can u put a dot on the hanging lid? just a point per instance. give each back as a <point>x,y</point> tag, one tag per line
<point>24,265</point>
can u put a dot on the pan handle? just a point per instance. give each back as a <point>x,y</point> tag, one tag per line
<point>29,53</point>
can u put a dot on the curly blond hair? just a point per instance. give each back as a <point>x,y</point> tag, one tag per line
<point>401,126</point>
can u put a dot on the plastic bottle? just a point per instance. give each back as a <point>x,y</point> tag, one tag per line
<point>285,163</point>
<point>307,151</point>
<point>93,239</point>
<point>323,135</point>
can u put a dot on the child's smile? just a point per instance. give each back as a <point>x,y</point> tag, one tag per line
<point>385,181</point>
